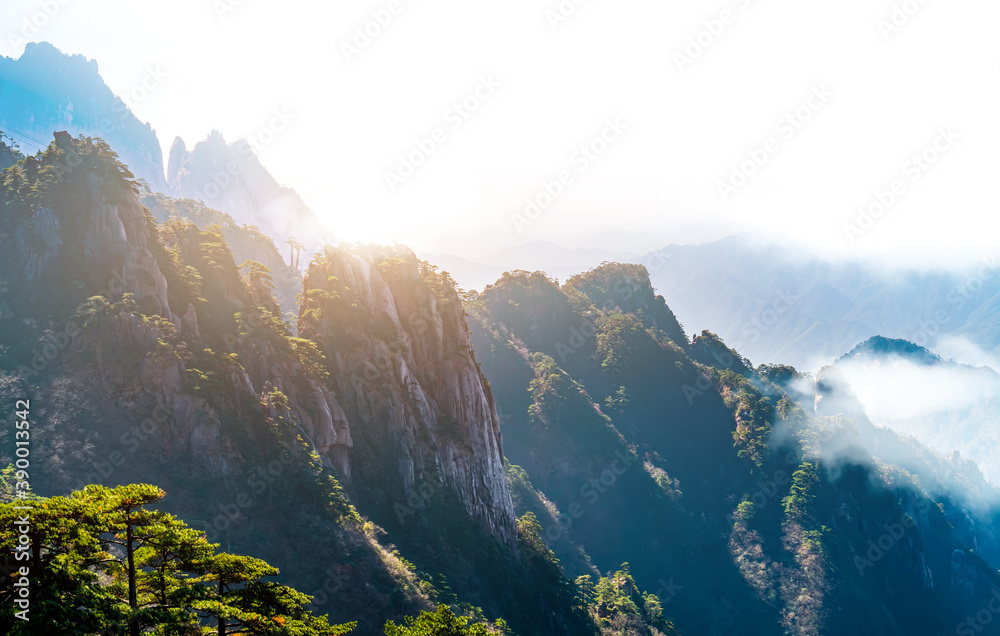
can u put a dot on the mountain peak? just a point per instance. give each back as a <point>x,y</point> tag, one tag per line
<point>229,177</point>
<point>46,90</point>
<point>627,287</point>
<point>46,53</point>
<point>178,150</point>
<point>878,347</point>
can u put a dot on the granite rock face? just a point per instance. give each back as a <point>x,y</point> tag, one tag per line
<point>423,417</point>
<point>103,227</point>
<point>41,240</point>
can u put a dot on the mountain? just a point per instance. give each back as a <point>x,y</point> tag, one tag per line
<point>229,177</point>
<point>248,243</point>
<point>776,304</point>
<point>969,502</point>
<point>877,349</point>
<point>468,274</point>
<point>748,500</point>
<point>557,261</point>
<point>408,376</point>
<point>45,90</point>
<point>148,356</point>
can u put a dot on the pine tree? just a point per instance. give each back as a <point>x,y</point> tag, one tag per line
<point>103,560</point>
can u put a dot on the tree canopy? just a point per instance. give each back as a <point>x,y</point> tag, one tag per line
<point>102,560</point>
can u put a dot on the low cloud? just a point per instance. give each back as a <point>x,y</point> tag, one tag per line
<point>951,405</point>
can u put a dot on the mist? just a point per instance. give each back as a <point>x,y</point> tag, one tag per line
<point>945,404</point>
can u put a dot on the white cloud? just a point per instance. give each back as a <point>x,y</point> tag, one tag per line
<point>946,407</point>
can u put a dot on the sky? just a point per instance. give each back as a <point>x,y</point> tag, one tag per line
<point>628,124</point>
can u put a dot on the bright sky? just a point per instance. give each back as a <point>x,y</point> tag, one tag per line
<point>880,96</point>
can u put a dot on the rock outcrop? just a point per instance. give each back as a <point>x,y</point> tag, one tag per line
<point>422,415</point>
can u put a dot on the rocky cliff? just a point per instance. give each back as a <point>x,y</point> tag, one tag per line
<point>394,334</point>
<point>148,354</point>
<point>152,356</point>
<point>87,236</point>
<point>395,338</point>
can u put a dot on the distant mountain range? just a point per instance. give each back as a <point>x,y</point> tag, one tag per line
<point>775,304</point>
<point>229,177</point>
<point>772,303</point>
